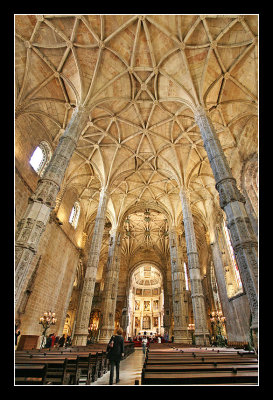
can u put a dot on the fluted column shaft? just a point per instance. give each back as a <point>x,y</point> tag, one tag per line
<point>244,241</point>
<point>32,225</point>
<point>178,288</point>
<point>109,295</point>
<point>198,302</point>
<point>83,315</point>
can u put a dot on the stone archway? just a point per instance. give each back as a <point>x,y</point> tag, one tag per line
<point>146,300</point>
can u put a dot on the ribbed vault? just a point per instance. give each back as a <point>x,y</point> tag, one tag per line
<point>141,76</point>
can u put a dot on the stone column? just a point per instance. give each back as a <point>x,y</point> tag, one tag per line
<point>167,303</point>
<point>83,315</point>
<point>198,301</point>
<point>109,295</point>
<point>178,287</point>
<point>243,239</point>
<point>32,225</point>
<point>233,326</point>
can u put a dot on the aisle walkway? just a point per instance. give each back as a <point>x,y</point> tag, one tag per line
<point>130,370</point>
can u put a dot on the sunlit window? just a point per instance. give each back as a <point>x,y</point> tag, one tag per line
<point>74,215</point>
<point>40,158</point>
<point>186,277</point>
<point>232,257</point>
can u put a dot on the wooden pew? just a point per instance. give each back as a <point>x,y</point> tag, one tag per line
<point>199,377</point>
<point>173,366</point>
<point>79,366</point>
<point>56,371</point>
<point>84,363</point>
<point>29,374</point>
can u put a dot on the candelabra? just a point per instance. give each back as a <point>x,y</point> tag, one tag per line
<point>191,329</point>
<point>218,320</point>
<point>46,321</point>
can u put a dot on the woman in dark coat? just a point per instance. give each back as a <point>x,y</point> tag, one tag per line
<point>61,341</point>
<point>115,354</point>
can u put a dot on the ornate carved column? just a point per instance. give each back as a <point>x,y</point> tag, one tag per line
<point>83,315</point>
<point>167,303</point>
<point>243,239</point>
<point>32,225</point>
<point>109,295</point>
<point>198,302</point>
<point>178,287</point>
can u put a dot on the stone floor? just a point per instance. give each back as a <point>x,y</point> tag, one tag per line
<point>130,370</point>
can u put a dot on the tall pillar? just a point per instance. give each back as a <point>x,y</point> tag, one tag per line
<point>178,286</point>
<point>83,315</point>
<point>32,225</point>
<point>243,239</point>
<point>109,295</point>
<point>167,303</point>
<point>198,301</point>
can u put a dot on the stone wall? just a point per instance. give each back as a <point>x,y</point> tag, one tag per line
<point>53,284</point>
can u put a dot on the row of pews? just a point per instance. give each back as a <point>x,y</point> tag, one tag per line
<point>79,365</point>
<point>180,365</point>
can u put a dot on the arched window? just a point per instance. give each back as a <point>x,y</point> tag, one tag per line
<point>41,157</point>
<point>74,216</point>
<point>232,257</point>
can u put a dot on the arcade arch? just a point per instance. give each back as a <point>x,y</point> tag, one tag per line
<point>146,300</point>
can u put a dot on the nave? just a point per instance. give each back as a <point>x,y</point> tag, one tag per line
<point>136,189</point>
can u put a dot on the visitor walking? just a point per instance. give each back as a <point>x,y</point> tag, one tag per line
<point>144,344</point>
<point>115,352</point>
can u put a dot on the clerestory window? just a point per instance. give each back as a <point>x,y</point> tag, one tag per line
<point>41,157</point>
<point>232,257</point>
<point>74,215</point>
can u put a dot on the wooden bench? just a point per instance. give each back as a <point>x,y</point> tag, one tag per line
<point>77,366</point>
<point>199,377</point>
<point>29,374</point>
<point>56,371</point>
<point>167,366</point>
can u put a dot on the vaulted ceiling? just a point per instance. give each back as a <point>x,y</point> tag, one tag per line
<point>141,76</point>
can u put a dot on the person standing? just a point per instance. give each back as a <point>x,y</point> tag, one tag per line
<point>17,334</point>
<point>115,352</point>
<point>57,341</point>
<point>53,337</point>
<point>62,341</point>
<point>48,341</point>
<point>159,339</point>
<point>144,344</point>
